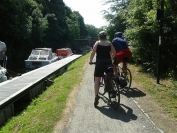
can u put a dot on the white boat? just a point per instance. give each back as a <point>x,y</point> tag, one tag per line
<point>40,57</point>
<point>3,74</point>
<point>3,70</point>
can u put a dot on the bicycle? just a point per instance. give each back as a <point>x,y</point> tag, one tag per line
<point>109,82</point>
<point>125,72</point>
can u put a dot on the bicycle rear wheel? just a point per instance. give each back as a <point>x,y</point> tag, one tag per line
<point>128,77</point>
<point>114,94</point>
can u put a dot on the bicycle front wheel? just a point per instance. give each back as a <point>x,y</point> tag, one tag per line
<point>103,86</point>
<point>114,94</point>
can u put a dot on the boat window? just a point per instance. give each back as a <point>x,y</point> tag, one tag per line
<point>44,52</point>
<point>35,52</point>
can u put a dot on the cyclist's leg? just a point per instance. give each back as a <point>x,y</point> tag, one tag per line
<point>124,65</point>
<point>115,67</point>
<point>119,69</point>
<point>96,88</point>
<point>115,70</point>
<point>99,71</point>
<point>97,85</point>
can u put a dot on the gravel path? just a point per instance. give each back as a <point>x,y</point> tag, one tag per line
<point>85,118</point>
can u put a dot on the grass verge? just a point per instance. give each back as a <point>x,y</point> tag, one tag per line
<point>44,112</point>
<point>165,93</point>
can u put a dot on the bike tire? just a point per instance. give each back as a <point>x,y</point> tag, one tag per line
<point>128,78</point>
<point>114,94</point>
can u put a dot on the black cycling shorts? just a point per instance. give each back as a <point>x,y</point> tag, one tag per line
<point>101,67</point>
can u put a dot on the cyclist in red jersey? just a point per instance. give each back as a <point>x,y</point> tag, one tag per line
<point>123,53</point>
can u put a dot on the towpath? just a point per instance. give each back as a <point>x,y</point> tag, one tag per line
<point>85,118</point>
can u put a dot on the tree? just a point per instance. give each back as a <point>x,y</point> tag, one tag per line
<point>92,31</point>
<point>56,34</point>
<point>73,25</point>
<point>82,27</point>
<point>114,16</point>
<point>18,27</point>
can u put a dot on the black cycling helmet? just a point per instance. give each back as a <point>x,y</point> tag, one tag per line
<point>118,34</point>
<point>102,34</point>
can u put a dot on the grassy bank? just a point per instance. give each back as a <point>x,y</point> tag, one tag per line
<point>43,113</point>
<point>164,93</point>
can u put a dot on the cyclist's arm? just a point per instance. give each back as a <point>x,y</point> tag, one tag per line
<point>93,52</point>
<point>113,51</point>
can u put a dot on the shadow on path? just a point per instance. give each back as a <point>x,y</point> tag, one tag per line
<point>123,113</point>
<point>133,92</point>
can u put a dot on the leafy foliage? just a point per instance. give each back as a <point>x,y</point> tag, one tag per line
<point>82,27</point>
<point>73,24</point>
<point>92,31</point>
<point>137,19</point>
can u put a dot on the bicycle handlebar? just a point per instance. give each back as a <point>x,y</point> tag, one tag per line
<point>108,66</point>
<point>92,63</point>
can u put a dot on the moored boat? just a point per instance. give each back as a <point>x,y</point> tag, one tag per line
<point>40,57</point>
<point>64,52</point>
<point>3,70</point>
<point>3,74</point>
